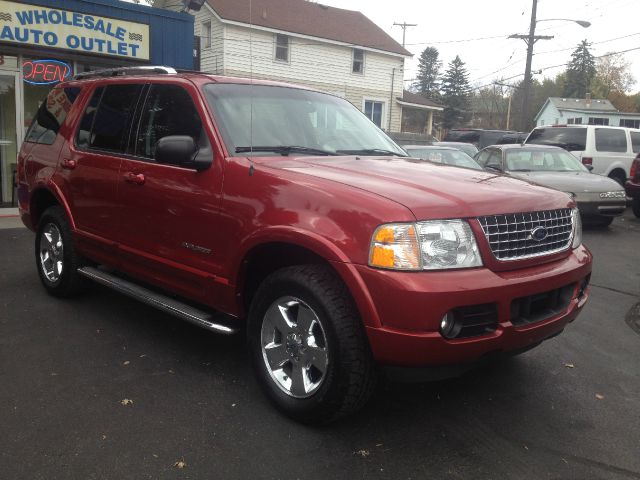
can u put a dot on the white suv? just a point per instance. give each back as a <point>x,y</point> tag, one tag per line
<point>605,150</point>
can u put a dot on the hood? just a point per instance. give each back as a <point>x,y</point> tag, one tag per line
<point>575,182</point>
<point>428,189</point>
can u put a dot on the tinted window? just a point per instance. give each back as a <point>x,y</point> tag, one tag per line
<point>84,130</point>
<point>111,124</point>
<point>168,110</point>
<point>611,140</point>
<point>635,141</point>
<point>572,139</point>
<point>51,115</point>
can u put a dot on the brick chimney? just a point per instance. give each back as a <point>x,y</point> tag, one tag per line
<point>588,100</point>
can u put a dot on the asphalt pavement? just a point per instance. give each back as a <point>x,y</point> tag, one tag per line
<point>102,387</point>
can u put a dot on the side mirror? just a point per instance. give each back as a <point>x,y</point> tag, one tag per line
<point>175,150</point>
<point>589,167</point>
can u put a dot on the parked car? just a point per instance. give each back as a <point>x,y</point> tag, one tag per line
<point>599,198</point>
<point>446,155</point>
<point>632,186</point>
<point>468,148</point>
<point>515,137</point>
<point>477,136</point>
<point>609,151</point>
<point>244,204</point>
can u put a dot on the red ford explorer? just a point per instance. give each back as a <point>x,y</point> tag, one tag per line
<point>232,204</point>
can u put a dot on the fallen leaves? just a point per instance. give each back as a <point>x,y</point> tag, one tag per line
<point>599,396</point>
<point>125,363</point>
<point>569,365</point>
<point>126,401</point>
<point>180,464</point>
<point>362,453</point>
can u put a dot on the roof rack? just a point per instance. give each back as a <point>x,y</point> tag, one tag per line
<point>114,72</point>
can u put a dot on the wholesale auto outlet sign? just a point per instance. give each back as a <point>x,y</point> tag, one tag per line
<point>26,24</point>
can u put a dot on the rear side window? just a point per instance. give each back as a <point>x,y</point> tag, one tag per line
<point>635,141</point>
<point>611,140</point>
<point>51,115</point>
<point>572,139</point>
<point>108,126</point>
<point>168,110</point>
<point>84,130</point>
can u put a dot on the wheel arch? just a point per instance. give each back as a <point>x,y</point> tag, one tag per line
<point>43,197</point>
<point>266,255</point>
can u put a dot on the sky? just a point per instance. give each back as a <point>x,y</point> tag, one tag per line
<point>461,27</point>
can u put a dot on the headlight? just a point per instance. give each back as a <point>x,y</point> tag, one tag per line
<point>429,245</point>
<point>577,228</point>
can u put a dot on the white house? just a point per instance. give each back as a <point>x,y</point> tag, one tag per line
<point>586,111</point>
<point>297,41</point>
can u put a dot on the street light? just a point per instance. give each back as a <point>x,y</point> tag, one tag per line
<point>530,40</point>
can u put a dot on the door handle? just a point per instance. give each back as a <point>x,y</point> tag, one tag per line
<point>137,178</point>
<point>69,164</point>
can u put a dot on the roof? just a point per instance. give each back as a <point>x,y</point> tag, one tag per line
<point>309,18</point>
<point>582,104</point>
<point>418,100</point>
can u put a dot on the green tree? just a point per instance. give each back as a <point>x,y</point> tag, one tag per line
<point>428,77</point>
<point>580,72</point>
<point>456,93</point>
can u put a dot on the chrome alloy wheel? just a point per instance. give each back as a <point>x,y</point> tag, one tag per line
<point>294,347</point>
<point>51,252</point>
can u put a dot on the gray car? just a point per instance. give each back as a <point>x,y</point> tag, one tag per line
<point>599,198</point>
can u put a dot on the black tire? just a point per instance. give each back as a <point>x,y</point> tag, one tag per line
<point>349,378</point>
<point>618,177</point>
<point>65,281</point>
<point>635,206</point>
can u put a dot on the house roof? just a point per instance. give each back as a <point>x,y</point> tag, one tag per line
<point>597,105</point>
<point>309,18</point>
<point>417,99</point>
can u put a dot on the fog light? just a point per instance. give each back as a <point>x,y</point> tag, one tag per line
<point>448,327</point>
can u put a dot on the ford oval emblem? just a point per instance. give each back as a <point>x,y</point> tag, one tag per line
<point>539,233</point>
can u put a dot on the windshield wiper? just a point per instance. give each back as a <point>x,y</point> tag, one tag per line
<point>285,150</point>
<point>371,151</point>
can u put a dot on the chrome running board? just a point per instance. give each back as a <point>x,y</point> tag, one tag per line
<point>161,302</point>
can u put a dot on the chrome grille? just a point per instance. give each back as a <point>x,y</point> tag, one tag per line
<point>510,235</point>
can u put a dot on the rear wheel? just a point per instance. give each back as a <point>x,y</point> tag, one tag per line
<point>56,258</point>
<point>308,345</point>
<point>635,206</point>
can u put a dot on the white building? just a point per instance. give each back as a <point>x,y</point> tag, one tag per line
<point>297,41</point>
<point>587,111</point>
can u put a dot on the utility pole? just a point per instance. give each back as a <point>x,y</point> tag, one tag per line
<point>404,26</point>
<point>529,40</point>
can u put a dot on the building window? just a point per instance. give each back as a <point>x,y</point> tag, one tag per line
<point>206,35</point>
<point>373,110</point>
<point>629,123</point>
<point>574,121</point>
<point>358,61</point>
<point>598,121</point>
<point>282,48</point>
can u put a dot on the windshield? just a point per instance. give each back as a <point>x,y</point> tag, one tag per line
<point>541,160</point>
<point>455,158</point>
<point>569,138</point>
<point>270,120</point>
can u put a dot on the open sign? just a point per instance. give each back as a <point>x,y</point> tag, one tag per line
<point>45,72</point>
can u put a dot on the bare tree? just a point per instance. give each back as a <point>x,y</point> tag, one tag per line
<point>613,74</point>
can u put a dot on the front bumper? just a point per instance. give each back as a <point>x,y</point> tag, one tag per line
<point>601,207</point>
<point>411,305</point>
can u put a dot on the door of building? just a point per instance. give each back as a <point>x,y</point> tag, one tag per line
<point>9,128</point>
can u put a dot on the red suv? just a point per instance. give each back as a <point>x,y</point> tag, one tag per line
<point>233,203</point>
<point>633,186</point>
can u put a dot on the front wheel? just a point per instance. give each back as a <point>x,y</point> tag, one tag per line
<point>56,257</point>
<point>308,345</point>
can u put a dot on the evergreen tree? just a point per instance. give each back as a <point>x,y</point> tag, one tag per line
<point>455,94</point>
<point>427,81</point>
<point>580,72</point>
